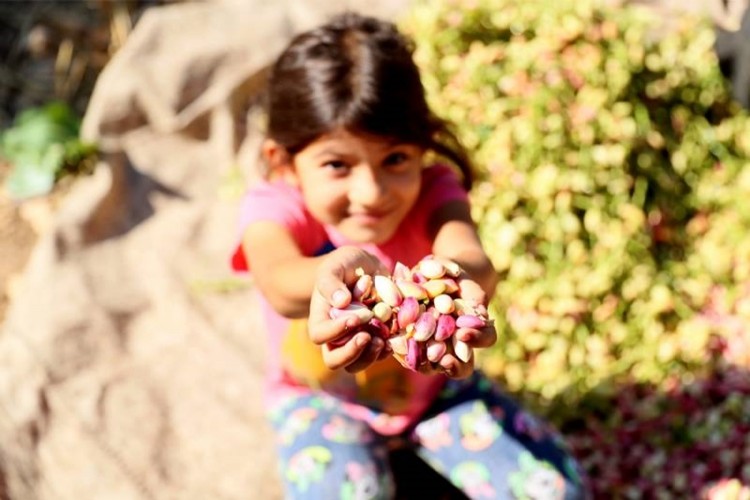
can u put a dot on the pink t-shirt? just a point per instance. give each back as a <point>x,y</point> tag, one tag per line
<point>402,396</point>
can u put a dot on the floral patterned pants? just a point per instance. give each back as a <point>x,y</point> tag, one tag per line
<point>473,434</point>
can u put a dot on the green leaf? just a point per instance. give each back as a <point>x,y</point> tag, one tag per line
<point>26,181</point>
<point>42,145</point>
<point>35,176</point>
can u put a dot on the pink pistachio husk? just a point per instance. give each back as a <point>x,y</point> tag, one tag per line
<point>355,308</point>
<point>419,278</point>
<point>377,328</point>
<point>401,272</point>
<point>446,326</point>
<point>425,326</point>
<point>408,312</point>
<point>435,350</point>
<point>362,288</point>
<point>470,321</point>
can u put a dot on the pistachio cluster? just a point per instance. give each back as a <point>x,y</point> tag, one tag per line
<point>417,311</point>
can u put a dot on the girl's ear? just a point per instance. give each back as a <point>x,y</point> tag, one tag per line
<point>280,162</point>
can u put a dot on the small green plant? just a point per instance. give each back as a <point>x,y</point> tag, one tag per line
<point>43,146</point>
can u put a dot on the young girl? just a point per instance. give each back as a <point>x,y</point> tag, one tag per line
<point>347,186</point>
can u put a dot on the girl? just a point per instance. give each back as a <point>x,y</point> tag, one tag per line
<point>348,186</point>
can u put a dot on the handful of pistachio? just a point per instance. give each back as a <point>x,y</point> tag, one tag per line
<point>417,311</point>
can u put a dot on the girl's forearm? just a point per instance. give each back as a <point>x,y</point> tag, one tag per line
<point>289,286</point>
<point>479,268</point>
<point>455,237</point>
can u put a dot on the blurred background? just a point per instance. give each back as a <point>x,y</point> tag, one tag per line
<point>50,52</point>
<point>613,143</point>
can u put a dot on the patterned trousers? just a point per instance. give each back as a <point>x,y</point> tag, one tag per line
<point>473,434</point>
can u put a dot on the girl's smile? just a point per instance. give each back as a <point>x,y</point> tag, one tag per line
<point>360,184</point>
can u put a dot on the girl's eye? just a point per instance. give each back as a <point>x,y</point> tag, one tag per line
<point>336,165</point>
<point>395,159</point>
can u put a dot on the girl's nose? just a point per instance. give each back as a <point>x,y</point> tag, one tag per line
<point>366,188</point>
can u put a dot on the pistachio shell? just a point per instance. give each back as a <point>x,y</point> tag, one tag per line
<point>387,290</point>
<point>452,269</point>
<point>434,287</point>
<point>398,344</point>
<point>431,268</point>
<point>465,306</point>
<point>382,311</point>
<point>411,289</point>
<point>450,284</point>
<point>462,350</point>
<point>443,304</point>
<point>460,305</point>
<point>360,310</point>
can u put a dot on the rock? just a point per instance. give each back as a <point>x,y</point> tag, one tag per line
<point>132,358</point>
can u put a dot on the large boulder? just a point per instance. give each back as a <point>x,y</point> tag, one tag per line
<point>131,357</point>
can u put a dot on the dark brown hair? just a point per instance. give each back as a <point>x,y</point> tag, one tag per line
<point>355,72</point>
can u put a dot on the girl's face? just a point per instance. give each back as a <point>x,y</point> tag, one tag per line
<point>362,185</point>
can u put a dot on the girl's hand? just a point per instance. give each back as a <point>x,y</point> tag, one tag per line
<point>344,345</point>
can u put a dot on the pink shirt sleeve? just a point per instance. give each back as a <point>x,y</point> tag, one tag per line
<point>280,203</point>
<point>440,184</point>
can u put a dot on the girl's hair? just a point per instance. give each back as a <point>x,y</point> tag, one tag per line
<point>355,72</point>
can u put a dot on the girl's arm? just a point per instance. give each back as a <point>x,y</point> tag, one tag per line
<point>299,286</point>
<point>287,278</point>
<point>283,274</point>
<point>455,237</point>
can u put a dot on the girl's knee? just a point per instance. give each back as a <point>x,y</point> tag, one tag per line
<point>316,474</point>
<point>538,479</point>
